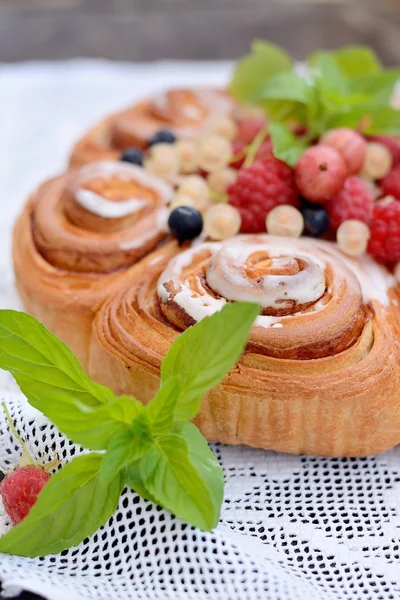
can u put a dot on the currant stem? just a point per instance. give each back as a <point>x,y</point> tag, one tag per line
<point>254,146</point>
<point>26,456</point>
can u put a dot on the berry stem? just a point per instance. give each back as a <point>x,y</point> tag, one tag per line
<point>254,146</point>
<point>26,458</point>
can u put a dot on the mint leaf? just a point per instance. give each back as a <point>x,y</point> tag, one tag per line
<point>170,474</point>
<point>205,353</point>
<point>135,482</point>
<point>286,145</point>
<point>370,119</point>
<point>377,88</point>
<point>91,427</point>
<point>160,410</point>
<point>253,70</point>
<point>356,61</point>
<point>43,365</point>
<point>125,447</point>
<point>71,506</point>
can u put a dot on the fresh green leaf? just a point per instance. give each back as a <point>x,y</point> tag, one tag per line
<point>356,61</point>
<point>286,145</point>
<point>253,70</point>
<point>171,476</point>
<point>378,88</point>
<point>135,482</point>
<point>160,410</point>
<point>371,120</point>
<point>289,91</point>
<point>43,365</point>
<point>124,448</point>
<point>205,353</point>
<point>203,459</point>
<point>72,506</point>
<point>327,75</point>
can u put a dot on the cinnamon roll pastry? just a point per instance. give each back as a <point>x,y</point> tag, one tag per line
<point>184,112</point>
<point>321,371</point>
<point>80,236</point>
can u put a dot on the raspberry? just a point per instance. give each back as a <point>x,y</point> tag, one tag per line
<point>384,243</point>
<point>391,145</point>
<point>320,173</point>
<point>19,491</point>
<point>259,188</point>
<point>354,201</point>
<point>391,183</point>
<point>248,129</point>
<point>350,145</point>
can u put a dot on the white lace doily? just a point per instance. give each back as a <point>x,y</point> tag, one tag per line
<point>291,527</point>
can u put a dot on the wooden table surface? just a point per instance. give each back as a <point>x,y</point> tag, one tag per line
<point>208,29</point>
<point>191,29</point>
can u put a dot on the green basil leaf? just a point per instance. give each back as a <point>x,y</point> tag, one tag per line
<point>71,506</point>
<point>175,480</point>
<point>160,410</point>
<point>205,353</point>
<point>327,75</point>
<point>287,96</point>
<point>135,482</point>
<point>251,71</point>
<point>286,145</point>
<point>378,88</point>
<point>43,365</point>
<point>355,61</point>
<point>371,119</point>
<point>124,448</point>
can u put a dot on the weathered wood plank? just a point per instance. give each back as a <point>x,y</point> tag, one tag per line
<point>210,29</point>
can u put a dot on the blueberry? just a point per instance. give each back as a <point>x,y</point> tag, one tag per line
<point>185,223</point>
<point>316,220</point>
<point>163,136</point>
<point>133,156</point>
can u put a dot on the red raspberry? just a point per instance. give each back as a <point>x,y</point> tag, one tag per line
<point>238,150</point>
<point>354,201</point>
<point>391,145</point>
<point>259,188</point>
<point>384,243</point>
<point>19,491</point>
<point>248,129</point>
<point>320,173</point>
<point>390,184</point>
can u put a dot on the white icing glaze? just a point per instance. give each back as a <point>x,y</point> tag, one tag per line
<point>228,278</point>
<point>107,209</point>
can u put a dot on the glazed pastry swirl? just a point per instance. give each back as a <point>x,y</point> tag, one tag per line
<point>321,370</point>
<point>100,218</point>
<point>185,112</point>
<point>311,300</point>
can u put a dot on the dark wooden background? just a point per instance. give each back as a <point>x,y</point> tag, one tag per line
<point>209,29</point>
<point>191,29</point>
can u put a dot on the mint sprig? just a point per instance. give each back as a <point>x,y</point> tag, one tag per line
<point>347,87</point>
<point>153,449</point>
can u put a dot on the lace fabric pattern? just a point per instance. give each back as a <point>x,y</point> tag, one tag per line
<point>291,526</point>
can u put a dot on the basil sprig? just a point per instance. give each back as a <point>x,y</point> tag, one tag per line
<point>153,449</point>
<point>344,88</point>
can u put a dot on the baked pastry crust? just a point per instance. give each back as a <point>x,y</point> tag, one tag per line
<point>66,259</point>
<point>321,372</point>
<point>184,112</point>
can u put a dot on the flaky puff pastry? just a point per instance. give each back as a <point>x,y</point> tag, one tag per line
<point>321,371</point>
<point>184,112</point>
<point>80,236</point>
